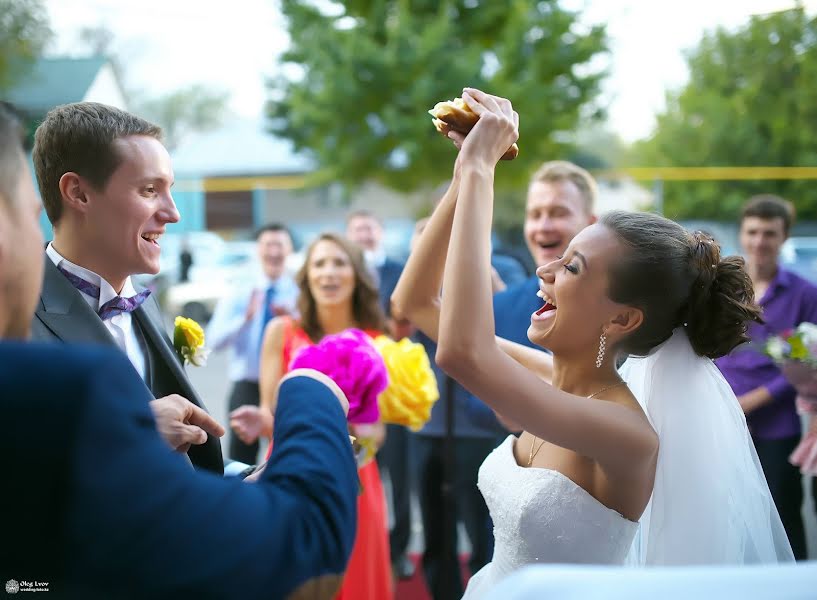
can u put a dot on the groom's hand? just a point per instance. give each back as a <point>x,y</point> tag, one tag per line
<point>181,423</point>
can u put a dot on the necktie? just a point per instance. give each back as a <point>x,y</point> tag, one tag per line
<point>115,306</point>
<point>266,315</point>
<point>268,308</point>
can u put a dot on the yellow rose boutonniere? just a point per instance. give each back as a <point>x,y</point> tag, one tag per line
<point>188,339</point>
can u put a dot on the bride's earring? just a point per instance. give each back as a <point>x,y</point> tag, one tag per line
<point>602,349</point>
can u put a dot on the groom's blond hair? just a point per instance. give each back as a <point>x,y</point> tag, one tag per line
<point>562,170</point>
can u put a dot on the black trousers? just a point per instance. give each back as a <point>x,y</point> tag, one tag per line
<point>786,485</point>
<point>395,457</point>
<point>441,568</point>
<point>244,392</point>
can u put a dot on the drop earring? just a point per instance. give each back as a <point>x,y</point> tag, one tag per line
<point>602,349</point>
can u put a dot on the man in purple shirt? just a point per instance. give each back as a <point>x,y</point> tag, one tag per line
<point>765,395</point>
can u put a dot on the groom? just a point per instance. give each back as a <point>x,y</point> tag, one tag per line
<point>105,179</point>
<point>95,505</point>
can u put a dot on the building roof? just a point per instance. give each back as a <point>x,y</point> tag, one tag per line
<point>237,148</point>
<point>55,81</point>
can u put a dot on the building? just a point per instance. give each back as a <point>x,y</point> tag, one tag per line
<point>235,178</point>
<point>55,81</point>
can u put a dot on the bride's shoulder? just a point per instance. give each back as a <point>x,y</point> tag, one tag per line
<point>625,398</point>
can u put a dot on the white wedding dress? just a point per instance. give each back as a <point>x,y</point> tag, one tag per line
<point>542,516</point>
<point>710,503</point>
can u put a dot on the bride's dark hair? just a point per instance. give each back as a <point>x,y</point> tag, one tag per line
<point>677,279</point>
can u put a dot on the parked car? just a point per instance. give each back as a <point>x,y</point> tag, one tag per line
<point>799,254</point>
<point>205,247</point>
<point>212,278</point>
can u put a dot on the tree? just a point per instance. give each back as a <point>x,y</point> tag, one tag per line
<point>750,101</point>
<point>193,108</point>
<point>595,146</point>
<point>24,32</point>
<point>370,69</point>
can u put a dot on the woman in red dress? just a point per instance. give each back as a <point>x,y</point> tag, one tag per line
<point>336,293</point>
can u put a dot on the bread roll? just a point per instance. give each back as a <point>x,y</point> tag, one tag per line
<point>456,115</point>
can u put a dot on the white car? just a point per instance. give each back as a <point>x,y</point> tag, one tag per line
<point>799,254</point>
<point>211,280</point>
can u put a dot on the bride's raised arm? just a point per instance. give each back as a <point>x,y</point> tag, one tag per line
<point>614,435</point>
<point>417,294</point>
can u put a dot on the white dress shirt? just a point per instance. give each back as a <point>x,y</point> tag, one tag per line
<point>229,327</point>
<point>121,325</point>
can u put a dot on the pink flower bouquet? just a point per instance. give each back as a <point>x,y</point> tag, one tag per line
<point>351,360</point>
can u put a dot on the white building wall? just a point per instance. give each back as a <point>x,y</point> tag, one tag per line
<point>105,89</point>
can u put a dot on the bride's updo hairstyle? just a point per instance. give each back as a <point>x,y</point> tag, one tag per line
<point>678,279</point>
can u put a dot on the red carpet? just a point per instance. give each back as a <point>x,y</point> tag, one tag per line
<point>415,588</point>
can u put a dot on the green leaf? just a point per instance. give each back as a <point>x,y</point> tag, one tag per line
<point>799,351</point>
<point>750,101</point>
<point>24,32</point>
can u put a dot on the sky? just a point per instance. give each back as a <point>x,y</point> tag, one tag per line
<point>168,44</point>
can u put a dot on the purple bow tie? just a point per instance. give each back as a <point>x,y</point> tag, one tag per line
<point>115,306</point>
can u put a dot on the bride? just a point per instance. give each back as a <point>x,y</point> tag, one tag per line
<point>657,469</point>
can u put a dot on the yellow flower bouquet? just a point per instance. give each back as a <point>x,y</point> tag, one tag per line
<point>188,339</point>
<point>412,389</point>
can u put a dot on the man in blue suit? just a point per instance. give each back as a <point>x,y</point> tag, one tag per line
<point>96,504</point>
<point>365,229</point>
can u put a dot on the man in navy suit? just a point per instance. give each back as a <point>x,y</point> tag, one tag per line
<point>96,504</point>
<point>365,229</point>
<point>105,179</point>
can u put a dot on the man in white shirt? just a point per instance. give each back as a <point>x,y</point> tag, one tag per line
<point>239,321</point>
<point>105,178</point>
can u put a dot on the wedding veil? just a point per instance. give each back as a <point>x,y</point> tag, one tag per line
<point>710,503</point>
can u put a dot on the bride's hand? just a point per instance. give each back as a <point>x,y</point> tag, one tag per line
<point>496,130</point>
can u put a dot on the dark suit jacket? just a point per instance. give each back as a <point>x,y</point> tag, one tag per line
<point>63,315</point>
<point>97,505</point>
<point>388,273</point>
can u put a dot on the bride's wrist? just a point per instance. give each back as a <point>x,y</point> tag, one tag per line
<point>477,169</point>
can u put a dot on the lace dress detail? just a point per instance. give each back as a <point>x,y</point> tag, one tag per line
<point>542,516</point>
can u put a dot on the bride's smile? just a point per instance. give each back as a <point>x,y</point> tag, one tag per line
<point>574,290</point>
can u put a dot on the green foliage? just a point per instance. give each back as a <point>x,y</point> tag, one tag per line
<point>193,108</point>
<point>597,147</point>
<point>751,101</point>
<point>372,68</point>
<point>24,32</point>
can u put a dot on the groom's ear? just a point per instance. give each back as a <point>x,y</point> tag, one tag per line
<point>625,322</point>
<point>72,192</point>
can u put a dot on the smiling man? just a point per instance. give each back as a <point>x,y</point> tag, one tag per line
<point>105,179</point>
